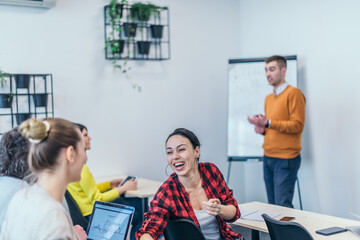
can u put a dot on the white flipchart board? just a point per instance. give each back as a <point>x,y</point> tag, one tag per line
<point>247,90</point>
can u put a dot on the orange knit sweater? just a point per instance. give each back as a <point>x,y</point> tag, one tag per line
<point>287,114</point>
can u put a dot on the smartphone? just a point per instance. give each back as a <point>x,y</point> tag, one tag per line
<point>127,179</point>
<point>287,219</point>
<point>331,231</point>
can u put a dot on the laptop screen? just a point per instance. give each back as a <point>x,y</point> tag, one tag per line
<point>109,221</point>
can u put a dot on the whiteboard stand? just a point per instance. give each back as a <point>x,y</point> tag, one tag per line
<point>256,159</point>
<point>241,159</point>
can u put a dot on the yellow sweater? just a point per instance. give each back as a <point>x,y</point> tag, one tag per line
<point>86,192</point>
<point>287,114</point>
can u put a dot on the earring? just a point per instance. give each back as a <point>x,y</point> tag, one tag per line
<point>167,165</point>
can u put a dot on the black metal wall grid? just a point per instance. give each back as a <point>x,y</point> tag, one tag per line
<point>137,40</point>
<point>25,96</point>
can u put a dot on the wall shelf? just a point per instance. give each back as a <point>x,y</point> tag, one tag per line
<point>126,39</point>
<point>31,96</point>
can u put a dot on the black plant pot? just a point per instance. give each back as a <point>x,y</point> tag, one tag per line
<point>22,81</point>
<point>40,99</point>
<point>20,117</point>
<point>156,31</point>
<point>5,100</point>
<point>143,47</point>
<point>117,46</point>
<point>113,13</point>
<point>130,29</point>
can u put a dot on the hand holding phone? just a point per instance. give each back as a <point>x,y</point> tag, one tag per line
<point>127,179</point>
<point>331,231</point>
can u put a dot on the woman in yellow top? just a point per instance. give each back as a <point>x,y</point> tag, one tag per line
<point>86,191</point>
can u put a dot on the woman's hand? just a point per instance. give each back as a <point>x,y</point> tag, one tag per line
<point>80,232</point>
<point>213,206</point>
<point>128,185</point>
<point>115,183</point>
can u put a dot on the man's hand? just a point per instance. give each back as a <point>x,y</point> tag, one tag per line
<point>260,130</point>
<point>258,120</point>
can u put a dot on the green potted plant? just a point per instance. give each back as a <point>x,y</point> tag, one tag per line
<point>115,43</point>
<point>5,98</point>
<point>142,12</point>
<point>116,9</point>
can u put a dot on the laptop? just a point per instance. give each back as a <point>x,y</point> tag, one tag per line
<point>109,221</point>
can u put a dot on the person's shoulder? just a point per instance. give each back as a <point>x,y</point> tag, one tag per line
<point>294,91</point>
<point>170,182</point>
<point>14,182</point>
<point>209,166</point>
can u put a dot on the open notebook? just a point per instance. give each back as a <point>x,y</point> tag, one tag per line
<point>255,215</point>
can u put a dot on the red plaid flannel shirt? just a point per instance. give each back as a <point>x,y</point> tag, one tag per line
<point>172,201</point>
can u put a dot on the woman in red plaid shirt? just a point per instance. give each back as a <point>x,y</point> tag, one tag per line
<point>195,191</point>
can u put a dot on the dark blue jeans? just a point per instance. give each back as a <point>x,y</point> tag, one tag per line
<point>137,219</point>
<point>280,176</point>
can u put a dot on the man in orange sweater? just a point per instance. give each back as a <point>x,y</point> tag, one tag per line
<point>282,128</point>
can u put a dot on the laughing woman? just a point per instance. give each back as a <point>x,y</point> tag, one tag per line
<point>196,191</point>
<point>56,157</point>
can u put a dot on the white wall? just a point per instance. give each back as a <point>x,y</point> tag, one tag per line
<point>325,36</point>
<point>129,128</point>
<point>190,90</point>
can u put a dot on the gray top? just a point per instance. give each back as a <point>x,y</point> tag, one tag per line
<point>34,215</point>
<point>208,224</point>
<point>8,187</point>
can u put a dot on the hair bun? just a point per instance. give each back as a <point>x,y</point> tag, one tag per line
<point>34,130</point>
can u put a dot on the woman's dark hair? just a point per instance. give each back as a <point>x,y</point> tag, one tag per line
<point>187,134</point>
<point>81,127</point>
<point>14,150</point>
<point>49,137</point>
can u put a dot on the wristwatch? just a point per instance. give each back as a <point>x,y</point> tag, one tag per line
<point>267,125</point>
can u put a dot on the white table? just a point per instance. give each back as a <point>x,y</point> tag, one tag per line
<point>145,188</point>
<point>311,221</point>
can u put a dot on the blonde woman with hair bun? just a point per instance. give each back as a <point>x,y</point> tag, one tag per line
<point>57,155</point>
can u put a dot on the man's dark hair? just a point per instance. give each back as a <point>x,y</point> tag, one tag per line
<point>281,61</point>
<point>14,150</point>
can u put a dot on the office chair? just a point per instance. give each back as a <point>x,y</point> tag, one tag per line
<point>279,230</point>
<point>180,229</point>
<point>75,213</point>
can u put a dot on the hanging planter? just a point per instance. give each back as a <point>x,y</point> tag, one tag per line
<point>130,29</point>
<point>6,100</point>
<point>22,80</point>
<point>143,47</point>
<point>116,11</point>
<point>20,117</point>
<point>142,11</point>
<point>156,31</point>
<point>117,46</point>
<point>40,99</point>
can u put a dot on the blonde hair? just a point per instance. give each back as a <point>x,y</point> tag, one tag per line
<point>48,137</point>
